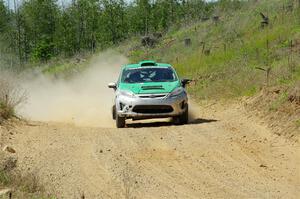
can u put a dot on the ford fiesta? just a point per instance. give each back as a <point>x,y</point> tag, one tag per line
<point>149,90</point>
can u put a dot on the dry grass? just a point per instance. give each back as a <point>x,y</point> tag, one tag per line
<point>11,96</point>
<point>21,185</point>
<point>279,106</point>
<point>129,184</point>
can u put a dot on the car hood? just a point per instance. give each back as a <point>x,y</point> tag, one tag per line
<point>150,87</point>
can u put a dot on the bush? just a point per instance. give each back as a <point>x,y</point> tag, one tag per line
<point>43,51</point>
<point>11,96</point>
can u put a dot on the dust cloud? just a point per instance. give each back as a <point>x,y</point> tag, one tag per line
<point>83,100</point>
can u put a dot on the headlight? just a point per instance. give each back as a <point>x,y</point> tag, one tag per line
<point>177,91</point>
<point>127,93</point>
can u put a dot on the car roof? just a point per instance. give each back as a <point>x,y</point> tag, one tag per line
<point>146,63</point>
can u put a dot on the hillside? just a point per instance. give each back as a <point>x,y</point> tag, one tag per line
<point>248,50</point>
<point>57,135</point>
<point>238,50</point>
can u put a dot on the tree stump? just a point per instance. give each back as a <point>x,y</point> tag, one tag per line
<point>157,35</point>
<point>207,52</point>
<point>187,42</point>
<point>216,19</point>
<point>148,41</point>
<point>204,19</point>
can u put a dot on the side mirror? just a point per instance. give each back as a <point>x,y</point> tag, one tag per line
<point>112,85</point>
<point>185,81</point>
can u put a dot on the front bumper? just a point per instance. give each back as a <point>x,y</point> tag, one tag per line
<point>151,106</point>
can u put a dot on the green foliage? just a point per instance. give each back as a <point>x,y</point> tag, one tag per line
<point>279,101</point>
<point>4,178</point>
<point>4,17</point>
<point>298,123</point>
<point>225,54</point>
<point>37,21</point>
<point>38,30</point>
<point>43,51</point>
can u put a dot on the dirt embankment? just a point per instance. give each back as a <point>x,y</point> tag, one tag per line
<point>279,109</point>
<point>223,153</point>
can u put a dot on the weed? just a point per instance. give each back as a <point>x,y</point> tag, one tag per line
<point>25,186</point>
<point>11,96</point>
<point>129,183</point>
<point>298,123</point>
<point>4,178</point>
<point>279,101</point>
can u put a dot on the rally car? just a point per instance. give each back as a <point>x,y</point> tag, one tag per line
<point>149,90</point>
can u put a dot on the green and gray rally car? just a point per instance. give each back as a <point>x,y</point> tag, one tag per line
<point>149,90</point>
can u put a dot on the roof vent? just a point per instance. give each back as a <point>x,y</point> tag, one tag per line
<point>148,63</point>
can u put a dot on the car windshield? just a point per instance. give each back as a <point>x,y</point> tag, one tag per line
<point>153,74</point>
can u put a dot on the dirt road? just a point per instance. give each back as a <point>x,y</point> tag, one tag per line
<point>223,154</point>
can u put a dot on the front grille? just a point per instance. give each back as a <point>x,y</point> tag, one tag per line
<point>151,96</point>
<point>152,109</point>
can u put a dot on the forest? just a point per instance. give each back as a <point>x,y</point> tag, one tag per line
<point>38,30</point>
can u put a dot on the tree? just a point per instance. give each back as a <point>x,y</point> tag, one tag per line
<point>4,17</point>
<point>38,24</point>
<point>144,15</point>
<point>5,36</point>
<point>113,20</point>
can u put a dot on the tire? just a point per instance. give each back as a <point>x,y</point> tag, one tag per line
<point>184,117</point>
<point>114,112</point>
<point>120,121</point>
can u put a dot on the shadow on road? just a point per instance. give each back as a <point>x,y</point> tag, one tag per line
<point>149,124</point>
<point>168,123</point>
<point>202,120</point>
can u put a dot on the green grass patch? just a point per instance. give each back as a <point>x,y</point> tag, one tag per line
<point>4,178</point>
<point>279,101</point>
<point>224,56</point>
<point>298,123</point>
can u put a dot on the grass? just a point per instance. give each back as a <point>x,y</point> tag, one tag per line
<point>63,68</point>
<point>23,186</point>
<point>11,96</point>
<point>6,112</point>
<point>4,178</point>
<point>238,46</point>
<point>298,123</point>
<point>279,101</point>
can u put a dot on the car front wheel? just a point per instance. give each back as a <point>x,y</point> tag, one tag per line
<point>114,112</point>
<point>184,117</point>
<point>120,121</point>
